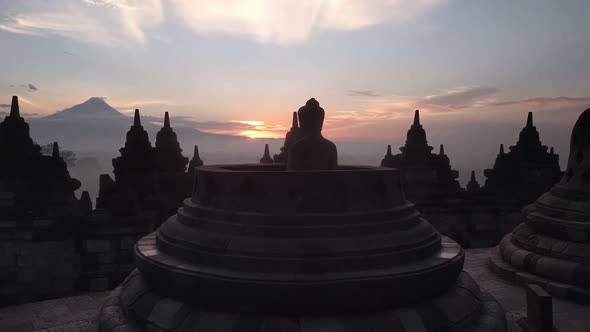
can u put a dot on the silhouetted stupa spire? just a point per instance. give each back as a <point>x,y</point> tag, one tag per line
<point>136,119</point>
<point>14,134</point>
<point>55,152</point>
<point>168,152</point>
<point>195,162</point>
<point>416,157</point>
<point>85,202</point>
<point>266,159</point>
<point>137,156</point>
<point>525,170</point>
<point>529,120</point>
<point>166,120</point>
<point>388,160</point>
<point>196,154</point>
<point>473,185</point>
<point>295,123</point>
<point>416,146</point>
<point>14,109</point>
<point>529,146</point>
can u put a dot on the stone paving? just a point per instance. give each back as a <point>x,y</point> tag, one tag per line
<point>567,316</point>
<point>78,313</point>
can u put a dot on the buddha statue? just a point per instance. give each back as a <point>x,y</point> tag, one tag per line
<point>312,151</point>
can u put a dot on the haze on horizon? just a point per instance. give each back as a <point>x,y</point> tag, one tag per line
<point>473,68</point>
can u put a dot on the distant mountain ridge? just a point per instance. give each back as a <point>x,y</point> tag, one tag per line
<point>95,107</point>
<point>95,130</point>
<point>95,126</point>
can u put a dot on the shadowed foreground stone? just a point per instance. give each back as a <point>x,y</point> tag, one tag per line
<point>260,248</point>
<point>552,247</point>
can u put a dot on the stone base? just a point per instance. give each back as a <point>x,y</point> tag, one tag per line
<point>462,308</point>
<point>526,267</point>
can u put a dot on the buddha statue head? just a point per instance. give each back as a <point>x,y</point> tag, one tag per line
<point>311,116</point>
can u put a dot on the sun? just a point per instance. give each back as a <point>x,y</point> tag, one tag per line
<point>258,134</point>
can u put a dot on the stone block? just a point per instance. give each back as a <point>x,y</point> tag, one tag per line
<point>44,223</point>
<point>7,276</point>
<point>126,256</point>
<point>26,275</point>
<point>7,225</point>
<point>96,246</point>
<point>106,257</point>
<point>128,242</point>
<point>539,306</point>
<point>98,284</point>
<point>26,236</point>
<point>126,268</point>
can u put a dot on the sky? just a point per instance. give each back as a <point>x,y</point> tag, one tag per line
<point>242,66</point>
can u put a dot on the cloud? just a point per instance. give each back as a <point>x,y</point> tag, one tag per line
<point>117,22</point>
<point>388,107</point>
<point>361,93</point>
<point>25,115</point>
<point>293,21</point>
<point>175,120</point>
<point>462,97</point>
<point>546,102</point>
<point>249,128</point>
<point>379,111</point>
<point>23,100</point>
<point>363,113</point>
<point>29,87</point>
<point>139,103</point>
<point>105,22</point>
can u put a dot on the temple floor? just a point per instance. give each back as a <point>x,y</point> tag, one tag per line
<point>79,313</point>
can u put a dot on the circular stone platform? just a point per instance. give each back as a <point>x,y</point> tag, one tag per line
<point>258,247</point>
<point>552,247</point>
<point>136,307</point>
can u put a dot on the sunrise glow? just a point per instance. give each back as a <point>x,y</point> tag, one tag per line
<point>250,123</point>
<point>259,134</point>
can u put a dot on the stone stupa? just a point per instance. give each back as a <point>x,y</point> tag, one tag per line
<point>41,185</point>
<point>173,186</point>
<point>290,138</point>
<point>266,158</point>
<point>552,247</point>
<point>195,162</point>
<point>307,246</point>
<point>523,173</point>
<point>427,177</point>
<point>169,158</point>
